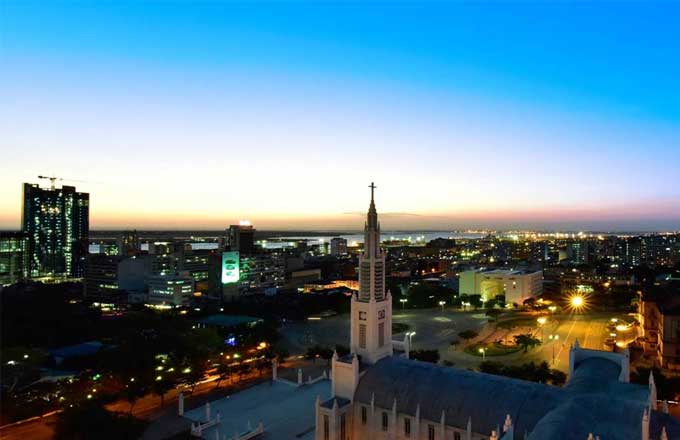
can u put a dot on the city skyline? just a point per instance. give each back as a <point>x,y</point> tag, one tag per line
<point>192,117</point>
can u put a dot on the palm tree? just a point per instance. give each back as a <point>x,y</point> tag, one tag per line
<point>526,341</point>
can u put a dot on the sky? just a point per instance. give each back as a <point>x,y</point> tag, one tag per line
<point>194,115</point>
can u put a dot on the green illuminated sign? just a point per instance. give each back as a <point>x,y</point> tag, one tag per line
<point>230,267</point>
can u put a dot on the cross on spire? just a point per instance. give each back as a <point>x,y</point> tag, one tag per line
<point>373,187</point>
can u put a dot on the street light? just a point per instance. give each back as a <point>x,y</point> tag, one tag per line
<point>483,351</point>
<point>403,301</point>
<point>410,336</point>
<point>553,338</point>
<point>577,302</point>
<point>541,321</point>
<point>442,303</point>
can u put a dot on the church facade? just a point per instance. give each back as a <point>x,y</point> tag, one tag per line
<point>379,393</point>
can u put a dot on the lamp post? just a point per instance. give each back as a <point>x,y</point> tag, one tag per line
<point>442,304</point>
<point>541,321</point>
<point>553,338</point>
<point>483,351</point>
<point>403,301</point>
<point>410,339</point>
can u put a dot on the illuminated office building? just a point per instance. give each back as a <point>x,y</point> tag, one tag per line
<point>13,257</point>
<point>56,221</point>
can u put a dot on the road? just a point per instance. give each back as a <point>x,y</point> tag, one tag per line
<point>148,407</point>
<point>437,328</point>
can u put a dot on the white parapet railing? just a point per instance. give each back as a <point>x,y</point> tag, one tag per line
<point>251,433</point>
<point>299,382</point>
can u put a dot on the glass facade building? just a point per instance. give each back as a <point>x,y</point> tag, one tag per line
<point>57,222</point>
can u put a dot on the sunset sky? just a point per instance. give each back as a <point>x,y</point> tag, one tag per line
<point>193,115</point>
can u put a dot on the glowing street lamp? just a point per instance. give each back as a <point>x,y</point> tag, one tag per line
<point>403,301</point>
<point>541,322</point>
<point>442,304</point>
<point>577,302</point>
<point>553,338</point>
<point>483,351</point>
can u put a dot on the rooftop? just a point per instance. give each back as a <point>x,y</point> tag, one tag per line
<point>593,400</point>
<point>287,412</point>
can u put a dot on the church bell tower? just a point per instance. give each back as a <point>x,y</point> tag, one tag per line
<point>371,322</point>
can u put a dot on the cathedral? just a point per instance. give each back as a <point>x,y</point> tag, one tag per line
<point>378,393</point>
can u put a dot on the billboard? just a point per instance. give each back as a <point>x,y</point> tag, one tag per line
<point>230,267</point>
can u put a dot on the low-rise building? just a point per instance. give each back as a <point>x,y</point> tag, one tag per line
<point>170,290</point>
<point>660,323</point>
<point>516,285</point>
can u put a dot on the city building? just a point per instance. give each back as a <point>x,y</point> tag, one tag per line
<point>128,243</point>
<point>338,246</point>
<point>517,286</point>
<point>57,223</point>
<point>241,238</point>
<point>170,290</point>
<point>261,273</point>
<point>13,257</point>
<point>376,392</point>
<point>660,323</point>
<point>114,278</point>
<point>101,277</point>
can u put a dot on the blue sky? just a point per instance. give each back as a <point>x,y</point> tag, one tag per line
<point>196,114</point>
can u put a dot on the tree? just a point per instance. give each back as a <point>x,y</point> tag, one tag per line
<point>476,301</point>
<point>318,351</point>
<point>162,386</point>
<point>557,377</point>
<point>468,334</point>
<point>281,354</point>
<point>261,365</point>
<point>224,371</point>
<point>135,389</point>
<point>431,356</point>
<point>491,367</point>
<point>530,371</point>
<point>195,374</point>
<point>243,369</point>
<point>93,422</point>
<point>526,341</point>
<point>494,314</point>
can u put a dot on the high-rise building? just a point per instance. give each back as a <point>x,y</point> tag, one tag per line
<point>57,222</point>
<point>101,277</point>
<point>241,238</point>
<point>338,246</point>
<point>13,257</point>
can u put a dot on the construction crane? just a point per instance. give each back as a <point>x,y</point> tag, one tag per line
<point>53,179</point>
